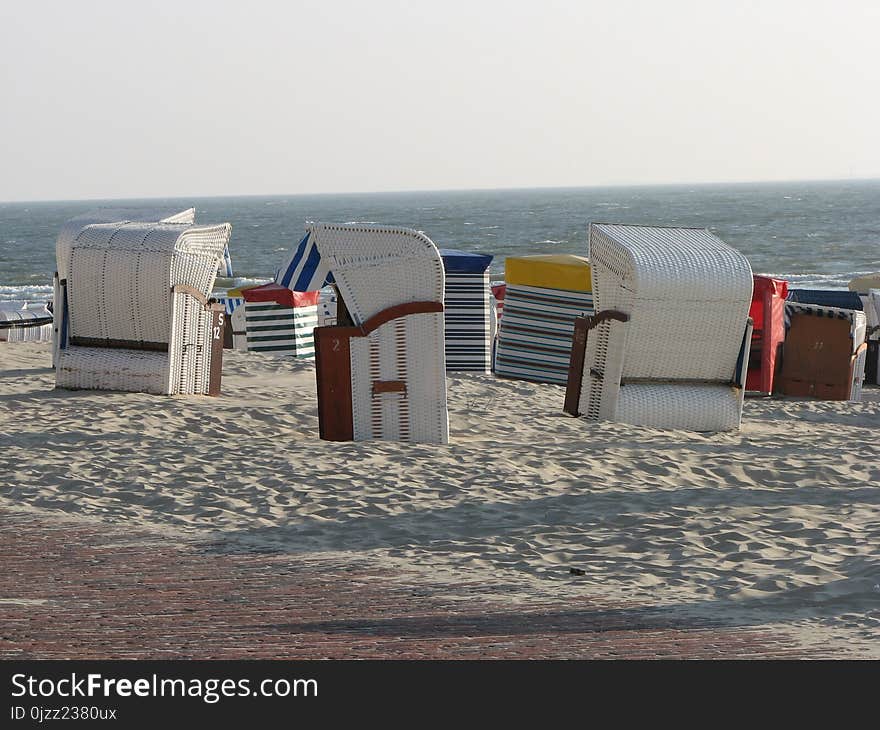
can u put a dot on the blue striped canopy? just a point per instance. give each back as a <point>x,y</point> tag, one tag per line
<point>305,271</point>
<point>225,267</point>
<point>230,303</point>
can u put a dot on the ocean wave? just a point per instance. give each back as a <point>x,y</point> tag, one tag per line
<point>26,293</point>
<point>818,281</point>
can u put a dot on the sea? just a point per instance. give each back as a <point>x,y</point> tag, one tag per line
<point>814,234</point>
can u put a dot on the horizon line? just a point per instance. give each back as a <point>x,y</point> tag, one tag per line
<point>446,190</point>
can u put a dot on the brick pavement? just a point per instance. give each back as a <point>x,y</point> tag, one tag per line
<point>87,590</point>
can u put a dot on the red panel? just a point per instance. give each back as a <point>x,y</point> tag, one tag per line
<point>281,294</point>
<point>768,312</point>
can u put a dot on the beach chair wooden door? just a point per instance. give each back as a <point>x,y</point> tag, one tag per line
<point>368,377</point>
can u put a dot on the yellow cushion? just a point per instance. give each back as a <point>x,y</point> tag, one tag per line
<point>237,292</point>
<point>550,271</point>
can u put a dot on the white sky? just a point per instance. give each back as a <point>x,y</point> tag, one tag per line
<point>128,99</point>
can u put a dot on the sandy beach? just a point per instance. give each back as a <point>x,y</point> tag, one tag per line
<point>774,527</point>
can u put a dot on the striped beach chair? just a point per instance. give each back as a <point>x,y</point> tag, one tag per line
<point>668,346</point>
<point>468,311</point>
<point>278,321</point>
<point>543,296</point>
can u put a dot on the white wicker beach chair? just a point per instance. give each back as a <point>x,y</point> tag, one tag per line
<point>381,375</point>
<point>136,314</point>
<point>668,347</point>
<point>72,228</point>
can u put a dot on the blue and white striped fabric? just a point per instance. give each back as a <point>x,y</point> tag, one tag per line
<point>468,311</point>
<point>305,270</point>
<point>225,267</point>
<point>468,316</point>
<point>534,342</point>
<point>230,303</point>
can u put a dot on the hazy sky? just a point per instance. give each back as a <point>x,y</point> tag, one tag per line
<point>128,99</point>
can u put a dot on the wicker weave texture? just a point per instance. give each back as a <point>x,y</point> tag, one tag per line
<point>672,365</point>
<point>71,229</point>
<point>40,333</point>
<point>407,349</point>
<point>103,368</point>
<point>858,375</point>
<point>686,291</point>
<point>121,280</point>
<point>873,301</point>
<point>695,407</point>
<point>121,276</point>
<point>189,351</point>
<point>377,267</point>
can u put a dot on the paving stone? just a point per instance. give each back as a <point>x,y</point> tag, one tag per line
<point>76,590</point>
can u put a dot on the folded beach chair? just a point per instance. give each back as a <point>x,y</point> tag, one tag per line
<point>468,311</point>
<point>381,371</point>
<point>825,352</point>
<point>668,345</point>
<point>23,322</point>
<point>542,297</point>
<point>768,315</point>
<point>136,313</point>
